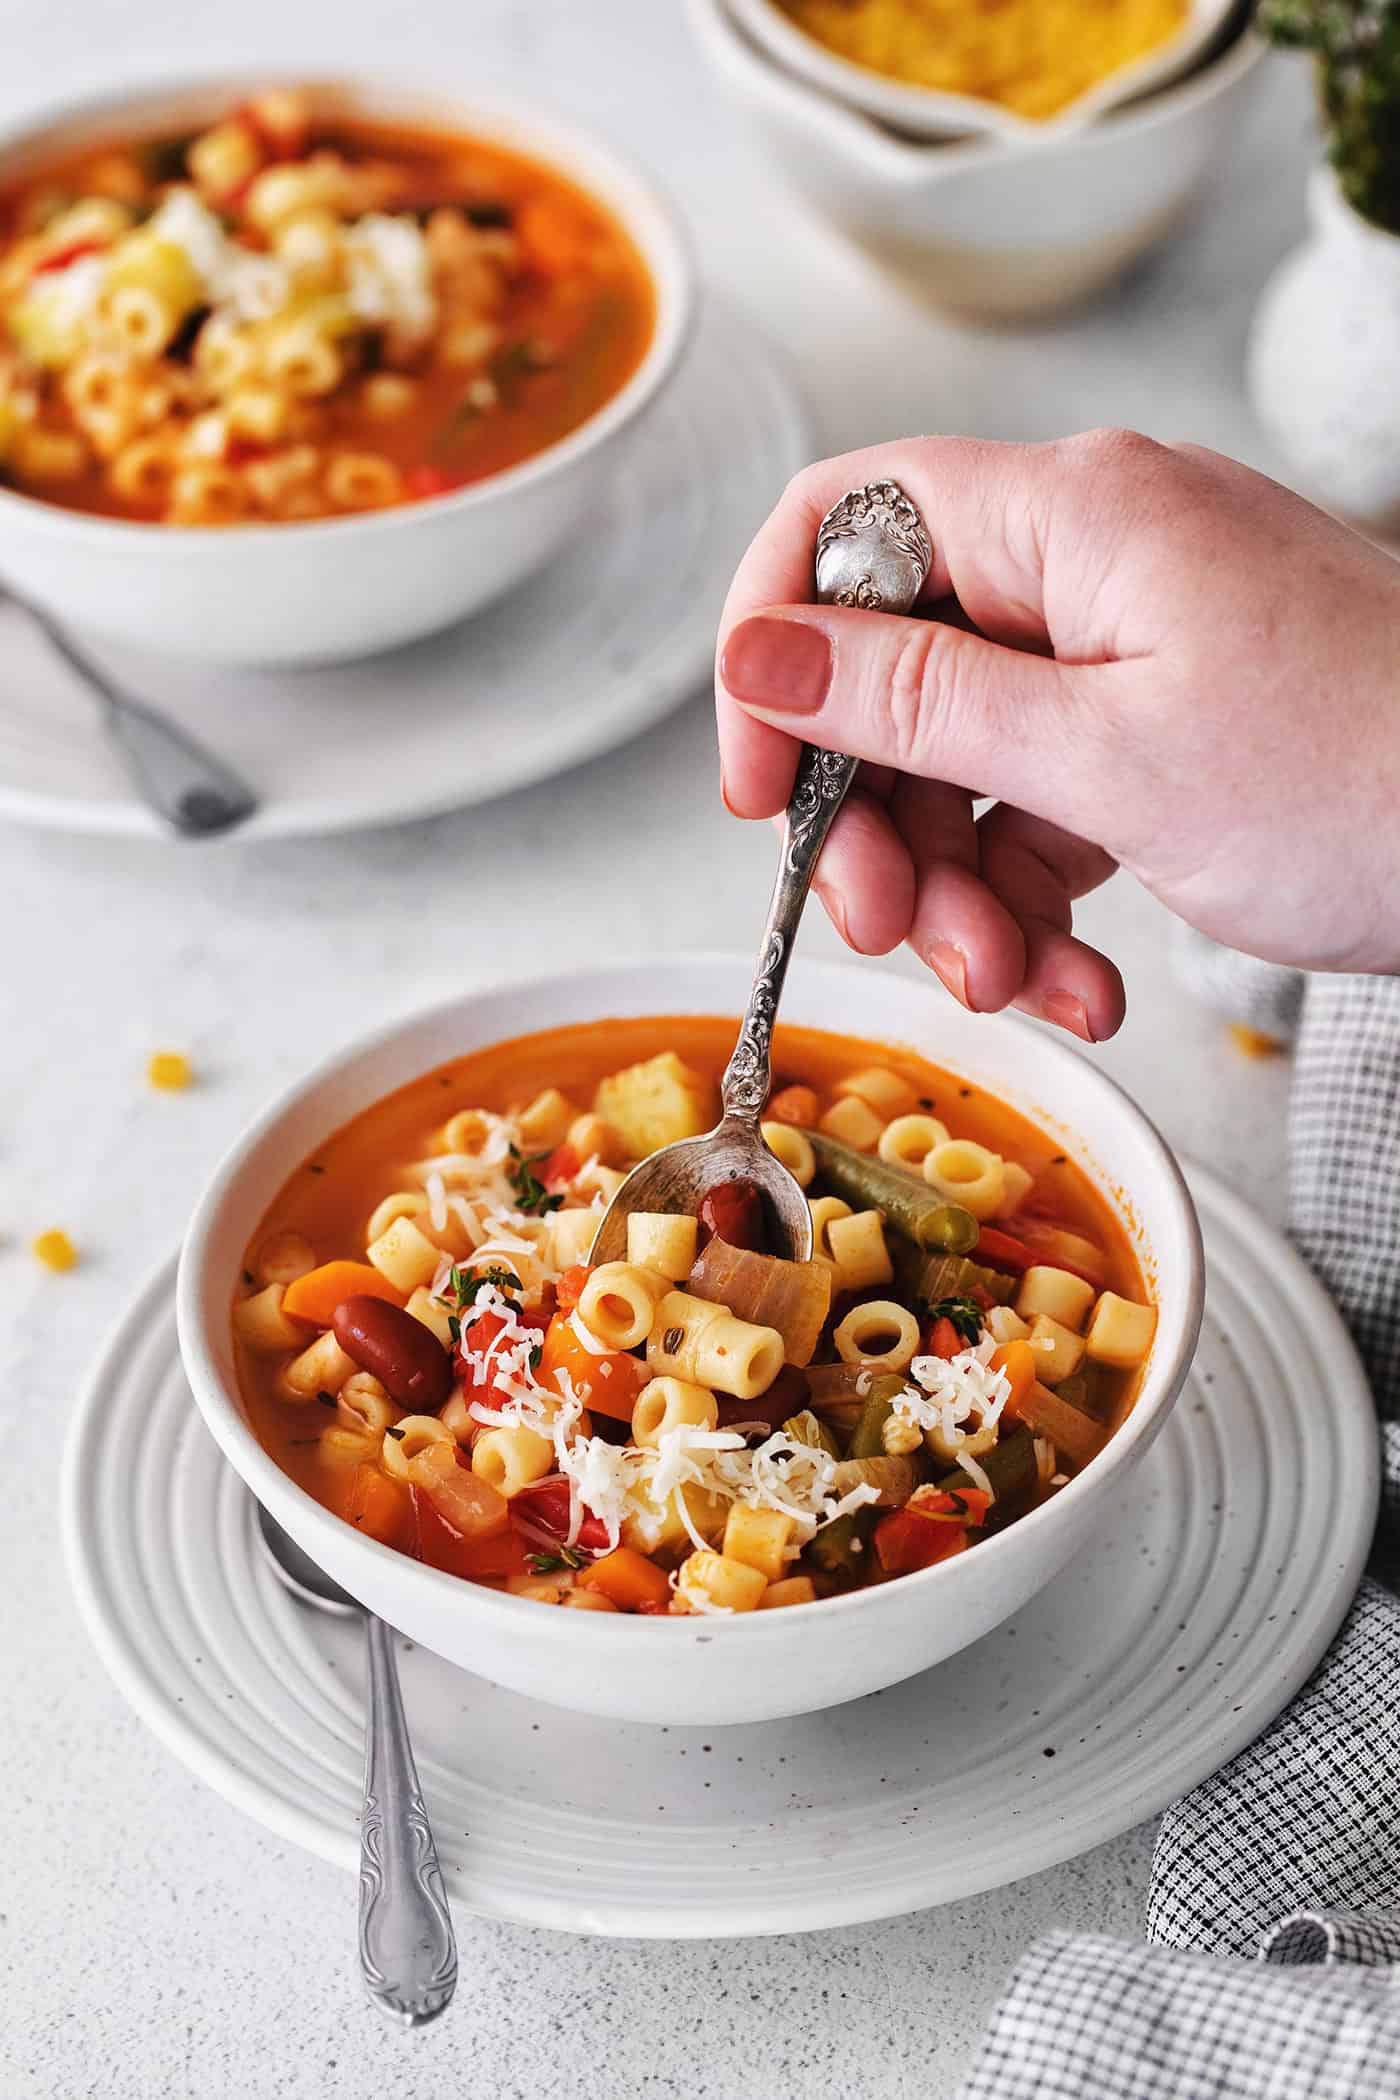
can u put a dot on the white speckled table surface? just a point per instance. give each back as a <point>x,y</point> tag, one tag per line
<point>154,1942</point>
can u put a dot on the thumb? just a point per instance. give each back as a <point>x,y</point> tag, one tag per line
<point>928,699</point>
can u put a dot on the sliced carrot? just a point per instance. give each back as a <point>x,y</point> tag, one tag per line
<point>945,1341</point>
<point>376,1505</point>
<point>315,1295</point>
<point>1017,1360</point>
<point>793,1104</point>
<point>607,1384</point>
<point>628,1579</point>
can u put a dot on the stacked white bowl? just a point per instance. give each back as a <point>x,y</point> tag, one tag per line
<point>980,209</point>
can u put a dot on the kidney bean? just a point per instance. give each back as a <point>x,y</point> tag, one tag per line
<point>406,1357</point>
<point>733,1211</point>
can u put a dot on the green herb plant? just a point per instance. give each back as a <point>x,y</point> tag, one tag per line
<point>1356,56</point>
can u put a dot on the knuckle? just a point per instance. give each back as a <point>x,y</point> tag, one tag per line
<point>1113,450</point>
<point>920,694</point>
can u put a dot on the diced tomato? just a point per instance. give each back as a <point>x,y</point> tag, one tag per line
<point>559,1169</point>
<point>241,450</point>
<point>569,1288</point>
<point>547,1503</point>
<point>906,1542</point>
<point>944,1339</point>
<point>472,1358</point>
<point>607,1384</point>
<point>732,1211</point>
<point>949,1505</point>
<point>425,481</point>
<point>61,257</point>
<point>785,1397</point>
<point>1045,1240</point>
<point>998,1250</point>
<point>479,1560</point>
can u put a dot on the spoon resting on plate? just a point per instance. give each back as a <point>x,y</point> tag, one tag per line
<point>873,551</point>
<point>408,1951</point>
<point>189,789</point>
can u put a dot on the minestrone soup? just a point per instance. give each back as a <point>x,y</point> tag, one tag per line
<point>702,1427</point>
<point>283,317</point>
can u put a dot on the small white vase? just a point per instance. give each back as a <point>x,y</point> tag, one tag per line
<point>1324,360</point>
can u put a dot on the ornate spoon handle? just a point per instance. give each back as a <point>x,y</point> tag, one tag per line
<point>873,551</point>
<point>408,1953</point>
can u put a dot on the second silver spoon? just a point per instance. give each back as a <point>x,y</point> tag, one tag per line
<point>408,1951</point>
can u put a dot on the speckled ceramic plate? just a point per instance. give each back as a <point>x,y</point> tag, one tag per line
<point>617,633</point>
<point>1152,1658</point>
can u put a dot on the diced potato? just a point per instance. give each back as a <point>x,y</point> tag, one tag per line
<point>432,1314</point>
<point>1056,1292</point>
<point>854,1122</point>
<point>1058,1350</point>
<point>405,1255</point>
<point>651,1527</point>
<point>793,1589</point>
<point>323,1368</point>
<point>1120,1332</point>
<point>1004,1325</point>
<point>656,1103</point>
<point>759,1538</point>
<point>713,1579</point>
<point>261,1324</point>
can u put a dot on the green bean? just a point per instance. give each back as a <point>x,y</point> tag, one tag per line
<point>928,1278</point>
<point>907,1205</point>
<point>1010,1466</point>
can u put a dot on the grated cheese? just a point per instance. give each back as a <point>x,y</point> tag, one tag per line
<point>955,1397</point>
<point>390,283</point>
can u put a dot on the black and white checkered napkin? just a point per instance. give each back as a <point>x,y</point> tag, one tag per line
<point>1272,1964</point>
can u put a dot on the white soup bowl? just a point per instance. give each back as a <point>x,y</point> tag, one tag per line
<point>766,1664</point>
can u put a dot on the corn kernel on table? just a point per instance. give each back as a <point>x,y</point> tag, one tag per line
<point>157,1945</point>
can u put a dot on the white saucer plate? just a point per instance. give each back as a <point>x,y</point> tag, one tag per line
<point>1209,1596</point>
<point>583,657</point>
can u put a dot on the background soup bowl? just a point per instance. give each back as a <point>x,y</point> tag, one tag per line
<point>342,587</point>
<point>767,1664</point>
<point>998,228</point>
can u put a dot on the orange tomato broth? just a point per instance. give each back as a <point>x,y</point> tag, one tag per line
<point>330,1196</point>
<point>598,321</point>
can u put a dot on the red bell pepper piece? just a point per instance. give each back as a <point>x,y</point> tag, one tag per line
<point>906,1542</point>
<point>998,1250</point>
<point>943,1339</point>
<point>547,1503</point>
<point>559,1168</point>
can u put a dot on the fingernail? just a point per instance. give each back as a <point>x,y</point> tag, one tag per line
<point>951,965</point>
<point>724,794</point>
<point>782,665</point>
<point>1069,1012</point>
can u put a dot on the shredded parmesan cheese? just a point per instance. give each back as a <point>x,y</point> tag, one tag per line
<point>954,1397</point>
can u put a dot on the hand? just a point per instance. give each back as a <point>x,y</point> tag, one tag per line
<point>1164,661</point>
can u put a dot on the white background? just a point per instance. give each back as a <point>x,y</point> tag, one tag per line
<point>154,1943</point>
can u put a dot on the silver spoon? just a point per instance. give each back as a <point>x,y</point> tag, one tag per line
<point>408,1952</point>
<point>873,551</point>
<point>187,787</point>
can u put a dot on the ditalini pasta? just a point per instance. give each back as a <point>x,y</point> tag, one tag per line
<point>424,1344</point>
<point>297,314</point>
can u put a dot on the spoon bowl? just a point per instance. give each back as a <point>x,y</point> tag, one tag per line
<point>873,551</point>
<point>680,1176</point>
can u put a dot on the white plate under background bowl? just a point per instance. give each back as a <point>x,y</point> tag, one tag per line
<point>1203,1602</point>
<point>932,113</point>
<point>617,633</point>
